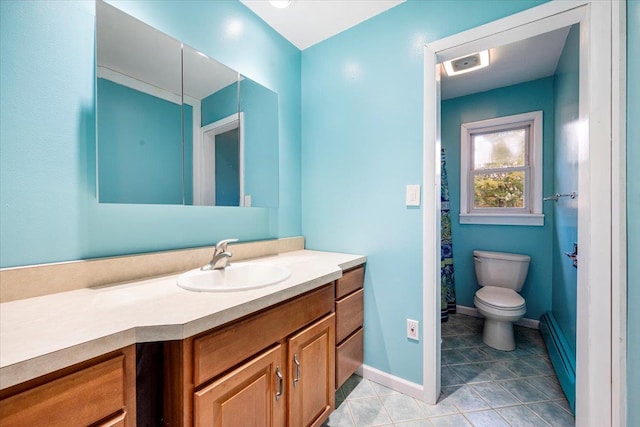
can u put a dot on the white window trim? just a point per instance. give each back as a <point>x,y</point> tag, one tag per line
<point>509,217</point>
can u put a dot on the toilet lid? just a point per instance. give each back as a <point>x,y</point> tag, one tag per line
<point>506,299</point>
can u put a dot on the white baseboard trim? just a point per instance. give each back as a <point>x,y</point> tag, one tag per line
<point>395,383</point>
<point>471,311</point>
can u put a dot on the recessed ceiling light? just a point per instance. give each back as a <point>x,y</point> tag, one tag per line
<point>466,64</point>
<point>280,4</point>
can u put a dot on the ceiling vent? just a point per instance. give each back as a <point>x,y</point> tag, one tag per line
<point>467,63</point>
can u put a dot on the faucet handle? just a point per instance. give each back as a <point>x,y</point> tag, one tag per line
<point>221,246</point>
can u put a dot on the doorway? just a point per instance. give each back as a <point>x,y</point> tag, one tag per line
<point>219,163</point>
<point>600,331</point>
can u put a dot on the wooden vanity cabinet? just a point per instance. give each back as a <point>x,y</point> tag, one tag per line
<point>99,392</point>
<point>349,301</point>
<point>243,373</point>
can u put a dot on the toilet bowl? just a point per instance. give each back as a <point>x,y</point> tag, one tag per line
<point>501,276</point>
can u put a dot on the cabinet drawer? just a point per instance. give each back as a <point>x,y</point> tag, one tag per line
<point>350,281</point>
<point>349,314</point>
<point>220,350</point>
<point>81,398</point>
<point>349,356</point>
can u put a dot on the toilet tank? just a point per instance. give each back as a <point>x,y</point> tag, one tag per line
<point>501,269</point>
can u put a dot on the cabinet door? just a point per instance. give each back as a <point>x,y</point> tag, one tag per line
<point>311,362</point>
<point>252,395</point>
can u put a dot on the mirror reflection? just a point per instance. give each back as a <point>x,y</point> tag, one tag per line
<point>175,126</point>
<point>213,167</point>
<point>139,114</point>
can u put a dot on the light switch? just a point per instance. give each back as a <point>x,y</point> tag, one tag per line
<point>413,195</point>
<point>247,201</point>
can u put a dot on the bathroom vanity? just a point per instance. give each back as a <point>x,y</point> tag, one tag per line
<point>184,358</point>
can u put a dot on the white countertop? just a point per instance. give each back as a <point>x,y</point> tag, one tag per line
<point>43,334</point>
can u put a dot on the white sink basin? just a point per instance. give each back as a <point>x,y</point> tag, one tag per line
<point>236,277</point>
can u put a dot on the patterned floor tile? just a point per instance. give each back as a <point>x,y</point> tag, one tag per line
<point>382,390</point>
<point>473,340</point>
<point>495,395</point>
<point>358,390</point>
<point>465,398</point>
<point>453,357</point>
<point>540,364</point>
<point>449,377</point>
<point>477,354</point>
<point>401,407</point>
<point>473,372</point>
<point>457,420</point>
<point>481,386</point>
<point>368,412</point>
<point>520,368</point>
<point>549,386</point>
<point>498,354</point>
<point>341,417</point>
<point>443,407</point>
<point>553,414</point>
<point>418,423</point>
<point>525,392</point>
<point>488,418</point>
<point>521,416</point>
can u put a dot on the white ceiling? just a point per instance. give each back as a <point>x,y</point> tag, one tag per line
<point>307,22</point>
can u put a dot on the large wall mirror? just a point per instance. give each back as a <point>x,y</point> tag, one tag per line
<point>175,126</point>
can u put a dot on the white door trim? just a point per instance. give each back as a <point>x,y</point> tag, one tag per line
<point>598,335</point>
<point>619,215</point>
<point>228,123</point>
<point>431,230</point>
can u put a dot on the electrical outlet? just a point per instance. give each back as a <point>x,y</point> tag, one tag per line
<point>413,330</point>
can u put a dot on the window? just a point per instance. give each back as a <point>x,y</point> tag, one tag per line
<point>501,171</point>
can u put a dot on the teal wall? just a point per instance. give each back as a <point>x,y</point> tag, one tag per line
<point>260,108</point>
<point>362,144</point>
<point>633,211</point>
<point>139,145</point>
<point>534,241</point>
<point>219,105</point>
<point>565,211</point>
<point>47,166</point>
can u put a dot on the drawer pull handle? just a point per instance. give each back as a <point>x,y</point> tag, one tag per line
<point>280,383</point>
<point>297,362</point>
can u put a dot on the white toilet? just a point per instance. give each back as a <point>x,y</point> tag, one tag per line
<point>501,276</point>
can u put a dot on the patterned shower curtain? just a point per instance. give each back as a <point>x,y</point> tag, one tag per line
<point>447,282</point>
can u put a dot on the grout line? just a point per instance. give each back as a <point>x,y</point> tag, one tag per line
<point>351,417</point>
<point>481,410</point>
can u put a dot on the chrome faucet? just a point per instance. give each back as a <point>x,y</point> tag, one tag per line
<point>221,256</point>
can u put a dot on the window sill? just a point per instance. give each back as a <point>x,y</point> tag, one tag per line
<point>536,220</point>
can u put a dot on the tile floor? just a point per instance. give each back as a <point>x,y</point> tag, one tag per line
<point>480,387</point>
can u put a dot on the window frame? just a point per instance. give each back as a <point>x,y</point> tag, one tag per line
<point>531,213</point>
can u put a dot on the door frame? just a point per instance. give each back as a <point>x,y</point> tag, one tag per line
<point>228,123</point>
<point>601,305</point>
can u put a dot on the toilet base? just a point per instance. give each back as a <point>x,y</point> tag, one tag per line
<point>498,334</point>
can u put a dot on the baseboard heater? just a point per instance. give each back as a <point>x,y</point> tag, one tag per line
<point>562,357</point>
